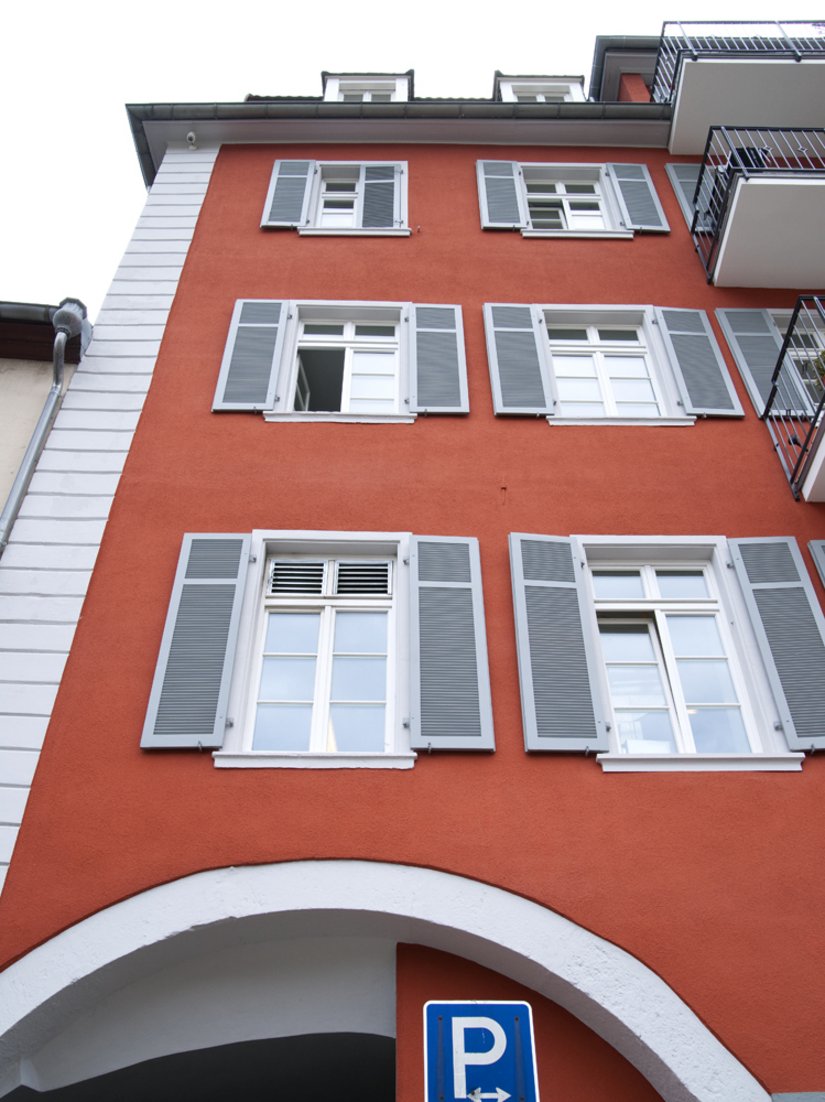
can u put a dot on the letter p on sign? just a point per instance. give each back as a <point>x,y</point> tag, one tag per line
<point>461,1057</point>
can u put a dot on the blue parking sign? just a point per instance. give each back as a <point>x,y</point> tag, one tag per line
<point>478,1051</point>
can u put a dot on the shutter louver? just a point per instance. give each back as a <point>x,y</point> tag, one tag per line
<point>515,360</point>
<point>380,186</point>
<point>288,196</point>
<point>187,705</point>
<point>554,668</point>
<point>450,687</point>
<point>252,358</point>
<point>756,344</point>
<point>790,630</point>
<point>499,190</point>
<point>704,384</point>
<point>439,375</point>
<point>638,199</point>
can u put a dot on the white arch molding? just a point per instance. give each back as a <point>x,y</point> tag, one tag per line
<point>47,993</point>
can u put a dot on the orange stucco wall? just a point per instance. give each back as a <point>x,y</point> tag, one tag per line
<point>711,879</point>
<point>632,89</point>
<point>573,1064</point>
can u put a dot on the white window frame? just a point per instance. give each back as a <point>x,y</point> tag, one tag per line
<point>573,174</point>
<point>396,313</point>
<point>545,89</point>
<point>337,87</point>
<point>759,711</point>
<point>652,345</point>
<point>237,751</point>
<point>327,170</point>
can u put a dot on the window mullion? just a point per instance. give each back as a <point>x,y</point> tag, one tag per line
<point>323,680</point>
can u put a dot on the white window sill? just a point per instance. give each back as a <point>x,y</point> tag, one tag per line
<point>271,759</point>
<point>653,422</point>
<point>618,234</point>
<point>701,763</point>
<point>327,231</point>
<point>347,418</point>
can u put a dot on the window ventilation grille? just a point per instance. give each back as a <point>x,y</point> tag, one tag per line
<point>296,577</point>
<point>364,579</point>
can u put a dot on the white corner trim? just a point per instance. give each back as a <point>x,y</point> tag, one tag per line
<point>701,763</point>
<point>269,759</point>
<point>612,992</point>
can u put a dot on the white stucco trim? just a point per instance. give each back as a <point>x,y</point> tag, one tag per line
<point>611,991</point>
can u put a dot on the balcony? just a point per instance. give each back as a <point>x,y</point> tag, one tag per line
<point>759,207</point>
<point>746,74</point>
<point>793,412</point>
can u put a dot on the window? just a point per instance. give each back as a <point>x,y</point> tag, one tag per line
<point>344,88</point>
<point>669,652</point>
<point>327,361</point>
<point>573,200</point>
<point>627,364</point>
<point>336,197</point>
<point>323,649</point>
<point>540,89</point>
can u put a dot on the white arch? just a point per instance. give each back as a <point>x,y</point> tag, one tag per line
<point>608,989</point>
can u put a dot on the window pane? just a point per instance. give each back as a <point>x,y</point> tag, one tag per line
<point>622,643</point>
<point>627,367</point>
<point>686,584</point>
<point>695,635</point>
<point>361,632</point>
<point>347,186</point>
<point>619,335</point>
<point>645,733</point>
<point>637,409</point>
<point>618,583</point>
<point>577,367</point>
<point>323,329</point>
<point>578,390</point>
<point>718,731</point>
<point>563,333</point>
<point>356,727</point>
<point>292,633</point>
<point>287,679</point>
<point>635,686</point>
<point>633,390</point>
<point>282,727</point>
<point>580,409</point>
<point>580,189</point>
<point>375,330</point>
<point>359,678</point>
<point>706,682</point>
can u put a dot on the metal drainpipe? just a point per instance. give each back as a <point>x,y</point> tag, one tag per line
<point>68,322</point>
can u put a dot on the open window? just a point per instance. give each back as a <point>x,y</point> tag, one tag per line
<point>338,361</point>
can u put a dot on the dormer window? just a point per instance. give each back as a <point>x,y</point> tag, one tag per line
<point>346,88</point>
<point>541,89</point>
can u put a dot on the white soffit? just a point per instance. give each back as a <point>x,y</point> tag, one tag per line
<point>744,92</point>
<point>774,235</point>
<point>813,488</point>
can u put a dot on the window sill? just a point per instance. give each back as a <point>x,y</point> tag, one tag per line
<point>347,418</point>
<point>326,231</point>
<point>700,763</point>
<point>624,235</point>
<point>271,759</point>
<point>654,422</point>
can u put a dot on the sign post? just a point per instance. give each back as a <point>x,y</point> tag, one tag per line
<point>479,1050</point>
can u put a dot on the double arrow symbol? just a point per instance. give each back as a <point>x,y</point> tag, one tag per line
<point>498,1094</point>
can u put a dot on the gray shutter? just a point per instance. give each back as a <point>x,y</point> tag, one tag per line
<point>450,683</point>
<point>288,196</point>
<point>514,355</point>
<point>705,387</point>
<point>252,357</point>
<point>755,343</point>
<point>684,179</point>
<point>380,185</point>
<point>790,630</point>
<point>499,195</point>
<point>637,197</point>
<point>187,705</point>
<point>555,647</point>
<point>817,548</point>
<point>438,376</point>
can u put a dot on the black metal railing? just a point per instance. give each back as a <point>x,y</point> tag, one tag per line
<point>793,411</point>
<point>733,153</point>
<point>695,40</point>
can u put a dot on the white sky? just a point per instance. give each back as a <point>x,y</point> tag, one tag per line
<point>71,186</point>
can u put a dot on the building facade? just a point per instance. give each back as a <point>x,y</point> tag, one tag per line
<point>455,626</point>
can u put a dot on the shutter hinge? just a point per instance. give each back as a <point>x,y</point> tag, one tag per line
<point>229,722</point>
<point>406,561</point>
<point>253,558</point>
<point>406,723</point>
<point>777,726</point>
